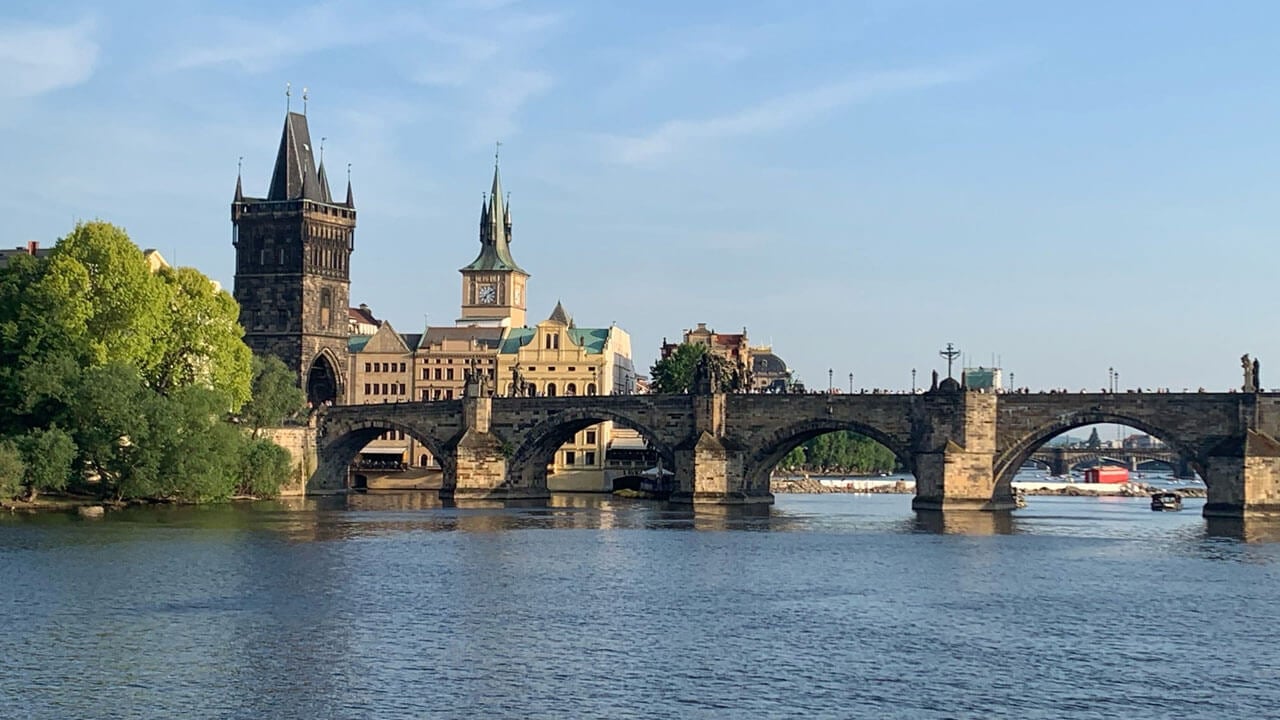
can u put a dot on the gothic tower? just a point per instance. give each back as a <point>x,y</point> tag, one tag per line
<point>493,286</point>
<point>293,252</point>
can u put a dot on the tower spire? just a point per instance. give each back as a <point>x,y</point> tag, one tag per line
<point>351,202</point>
<point>239,188</point>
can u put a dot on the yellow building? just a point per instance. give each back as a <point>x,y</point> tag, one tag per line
<point>558,359</point>
<point>381,371</point>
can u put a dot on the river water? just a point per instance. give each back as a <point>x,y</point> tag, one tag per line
<point>824,606</point>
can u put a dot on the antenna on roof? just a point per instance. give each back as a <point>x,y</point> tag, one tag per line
<point>304,101</point>
<point>288,93</point>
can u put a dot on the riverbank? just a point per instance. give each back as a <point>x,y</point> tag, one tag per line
<point>873,486</point>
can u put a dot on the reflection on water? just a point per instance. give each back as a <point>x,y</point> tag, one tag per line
<point>965,523</point>
<point>395,605</point>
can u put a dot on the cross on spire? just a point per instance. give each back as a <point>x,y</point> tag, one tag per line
<point>304,105</point>
<point>288,95</point>
<point>950,353</point>
<point>497,148</point>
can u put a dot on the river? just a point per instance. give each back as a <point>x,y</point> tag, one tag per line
<point>824,606</point>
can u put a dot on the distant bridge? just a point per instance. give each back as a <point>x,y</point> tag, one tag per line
<point>1060,461</point>
<point>964,447</point>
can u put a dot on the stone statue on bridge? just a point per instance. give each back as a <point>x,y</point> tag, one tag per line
<point>476,383</point>
<point>1250,369</point>
<point>706,376</point>
<point>519,386</point>
<point>1257,379</point>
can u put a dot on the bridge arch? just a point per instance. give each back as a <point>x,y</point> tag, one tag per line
<point>539,444</point>
<point>775,446</point>
<point>1011,458</point>
<point>342,441</point>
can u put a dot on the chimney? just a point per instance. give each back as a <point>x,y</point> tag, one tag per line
<point>32,246</point>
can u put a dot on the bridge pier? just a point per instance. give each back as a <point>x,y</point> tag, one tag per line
<point>954,438</point>
<point>710,468</point>
<point>481,467</point>
<point>1243,477</point>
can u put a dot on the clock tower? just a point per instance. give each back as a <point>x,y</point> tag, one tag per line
<point>493,286</point>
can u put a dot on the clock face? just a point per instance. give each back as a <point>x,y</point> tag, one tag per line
<point>487,293</point>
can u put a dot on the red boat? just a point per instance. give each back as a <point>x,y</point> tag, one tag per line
<point>1106,474</point>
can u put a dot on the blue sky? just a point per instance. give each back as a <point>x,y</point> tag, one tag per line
<point>1067,186</point>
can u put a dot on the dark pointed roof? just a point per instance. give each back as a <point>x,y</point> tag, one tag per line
<point>239,190</point>
<point>351,201</point>
<point>559,315</point>
<point>325,196</point>
<point>495,233</point>
<point>295,176</point>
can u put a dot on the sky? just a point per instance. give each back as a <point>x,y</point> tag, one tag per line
<point>1064,188</point>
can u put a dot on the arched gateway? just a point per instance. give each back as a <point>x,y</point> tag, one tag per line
<point>962,446</point>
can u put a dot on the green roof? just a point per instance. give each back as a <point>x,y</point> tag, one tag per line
<point>356,343</point>
<point>592,340</point>
<point>516,338</point>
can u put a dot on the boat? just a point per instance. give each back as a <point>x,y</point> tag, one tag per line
<point>1166,501</point>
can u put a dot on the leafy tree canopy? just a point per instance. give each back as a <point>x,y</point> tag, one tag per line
<point>276,395</point>
<point>674,373</point>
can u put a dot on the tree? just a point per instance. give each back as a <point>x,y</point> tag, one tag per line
<point>674,373</point>
<point>264,467</point>
<point>49,457</point>
<point>11,470</point>
<point>1094,442</point>
<point>201,341</point>
<point>276,396</point>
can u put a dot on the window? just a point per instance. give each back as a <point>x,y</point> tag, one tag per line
<point>589,458</point>
<point>448,394</point>
<point>591,437</point>
<point>425,374</point>
<point>570,457</point>
<point>367,390</point>
<point>424,395</point>
<point>326,307</point>
<point>448,375</point>
<point>401,388</point>
<point>438,373</point>
<point>570,390</point>
<point>401,367</point>
<point>368,367</point>
<point>437,394</point>
<point>551,389</point>
<point>591,388</point>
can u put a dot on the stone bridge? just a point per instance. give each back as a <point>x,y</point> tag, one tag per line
<point>1060,460</point>
<point>963,447</point>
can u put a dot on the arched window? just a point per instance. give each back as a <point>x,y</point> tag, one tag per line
<point>570,390</point>
<point>591,388</point>
<point>551,389</point>
<point>326,307</point>
<point>533,390</point>
<point>422,461</point>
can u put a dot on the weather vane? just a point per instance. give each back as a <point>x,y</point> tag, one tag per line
<point>304,101</point>
<point>950,353</point>
<point>288,93</point>
<point>497,148</point>
<point>322,139</point>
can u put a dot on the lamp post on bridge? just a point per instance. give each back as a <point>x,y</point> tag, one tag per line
<point>913,381</point>
<point>1111,380</point>
<point>850,383</point>
<point>831,386</point>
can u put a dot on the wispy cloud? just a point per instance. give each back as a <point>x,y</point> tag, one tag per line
<point>782,112</point>
<point>36,59</point>
<point>261,46</point>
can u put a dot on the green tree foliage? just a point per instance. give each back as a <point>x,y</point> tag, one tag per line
<point>116,380</point>
<point>49,456</point>
<point>264,467</point>
<point>840,452</point>
<point>11,470</point>
<point>201,341</point>
<point>674,373</point>
<point>276,395</point>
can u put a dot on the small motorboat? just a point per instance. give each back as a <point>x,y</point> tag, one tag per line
<point>1166,501</point>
